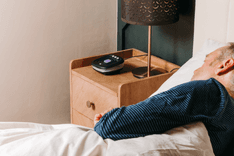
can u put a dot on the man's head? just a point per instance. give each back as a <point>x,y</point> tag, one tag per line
<point>219,64</point>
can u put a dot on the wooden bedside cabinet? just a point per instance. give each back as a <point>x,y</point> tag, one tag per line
<point>92,92</point>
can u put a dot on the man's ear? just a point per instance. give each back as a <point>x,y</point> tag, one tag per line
<point>224,67</point>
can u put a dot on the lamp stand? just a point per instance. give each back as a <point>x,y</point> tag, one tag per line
<point>143,72</point>
<point>149,50</point>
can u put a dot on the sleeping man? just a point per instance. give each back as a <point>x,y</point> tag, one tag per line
<point>208,97</point>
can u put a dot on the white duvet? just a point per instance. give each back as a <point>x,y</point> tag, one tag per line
<point>32,139</point>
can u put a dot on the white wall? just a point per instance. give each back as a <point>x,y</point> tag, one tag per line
<point>38,38</point>
<point>214,22</point>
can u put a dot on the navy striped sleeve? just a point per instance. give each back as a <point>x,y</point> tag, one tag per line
<point>183,104</point>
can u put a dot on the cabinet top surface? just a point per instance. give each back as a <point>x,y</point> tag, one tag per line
<point>111,82</point>
<point>83,69</point>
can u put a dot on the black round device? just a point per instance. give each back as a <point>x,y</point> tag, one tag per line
<point>108,64</point>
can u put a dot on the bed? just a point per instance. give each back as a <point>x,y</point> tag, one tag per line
<point>212,30</point>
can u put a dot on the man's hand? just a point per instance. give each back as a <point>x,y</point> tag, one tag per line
<point>97,117</point>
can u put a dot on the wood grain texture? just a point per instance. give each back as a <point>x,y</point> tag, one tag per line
<point>134,92</point>
<point>80,119</point>
<point>84,92</point>
<point>118,90</point>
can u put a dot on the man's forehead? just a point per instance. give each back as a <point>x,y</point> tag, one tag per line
<point>216,52</point>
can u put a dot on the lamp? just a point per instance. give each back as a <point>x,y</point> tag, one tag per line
<point>148,12</point>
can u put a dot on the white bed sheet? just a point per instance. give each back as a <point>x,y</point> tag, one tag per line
<point>32,139</point>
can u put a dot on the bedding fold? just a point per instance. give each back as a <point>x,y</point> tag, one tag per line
<point>27,139</point>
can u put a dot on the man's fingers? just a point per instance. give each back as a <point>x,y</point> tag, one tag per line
<point>97,117</point>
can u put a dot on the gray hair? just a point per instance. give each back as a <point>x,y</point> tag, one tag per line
<point>227,53</point>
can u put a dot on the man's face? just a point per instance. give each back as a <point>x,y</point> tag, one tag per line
<point>207,70</point>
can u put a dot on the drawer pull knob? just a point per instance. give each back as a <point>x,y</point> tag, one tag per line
<point>89,104</point>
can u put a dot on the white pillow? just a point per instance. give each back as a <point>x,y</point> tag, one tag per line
<point>185,73</point>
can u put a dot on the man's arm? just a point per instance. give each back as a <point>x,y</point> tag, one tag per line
<point>178,106</point>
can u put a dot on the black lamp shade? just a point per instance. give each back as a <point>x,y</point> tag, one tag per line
<point>149,12</point>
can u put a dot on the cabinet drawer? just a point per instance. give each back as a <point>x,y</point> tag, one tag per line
<point>80,119</point>
<point>84,92</point>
